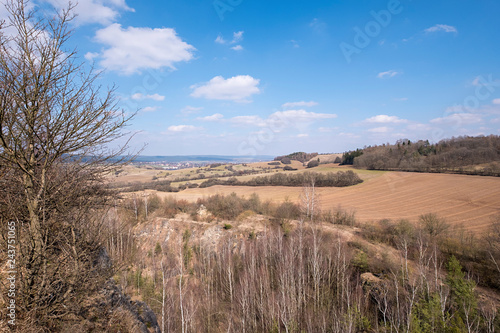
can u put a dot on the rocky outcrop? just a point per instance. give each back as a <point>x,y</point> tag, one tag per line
<point>131,316</point>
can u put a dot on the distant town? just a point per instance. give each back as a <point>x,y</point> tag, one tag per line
<point>170,165</point>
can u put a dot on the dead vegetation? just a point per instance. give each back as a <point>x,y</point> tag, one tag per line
<point>287,272</point>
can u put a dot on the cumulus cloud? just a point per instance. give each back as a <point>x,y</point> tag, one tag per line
<point>237,88</point>
<point>155,97</point>
<point>90,56</point>
<point>302,135</point>
<point>237,37</point>
<point>220,40</point>
<point>182,128</point>
<point>496,101</point>
<point>214,117</point>
<point>191,109</point>
<point>459,119</point>
<point>248,120</point>
<point>278,121</point>
<point>441,27</point>
<point>385,119</point>
<point>290,105</point>
<point>149,109</point>
<point>388,74</point>
<point>237,48</point>
<point>382,129</point>
<point>419,127</point>
<point>301,116</point>
<point>134,49</point>
<point>95,11</point>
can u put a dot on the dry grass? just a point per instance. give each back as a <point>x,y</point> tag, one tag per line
<point>468,200</point>
<point>471,201</point>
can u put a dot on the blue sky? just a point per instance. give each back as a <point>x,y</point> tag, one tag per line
<point>241,77</point>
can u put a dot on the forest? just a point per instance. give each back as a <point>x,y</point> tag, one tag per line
<point>466,155</point>
<point>298,275</point>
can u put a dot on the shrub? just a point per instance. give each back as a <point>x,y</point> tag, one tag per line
<point>433,225</point>
<point>287,211</point>
<point>227,226</point>
<point>313,164</point>
<point>244,215</point>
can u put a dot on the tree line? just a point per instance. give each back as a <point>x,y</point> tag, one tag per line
<point>330,179</point>
<point>469,155</point>
<point>297,156</point>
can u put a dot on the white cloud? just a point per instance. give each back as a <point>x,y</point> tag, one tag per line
<point>385,119</point>
<point>155,97</point>
<point>248,120</point>
<point>182,128</point>
<point>133,49</point>
<point>220,40</point>
<point>325,129</point>
<point>442,27</point>
<point>300,116</point>
<point>237,48</point>
<point>237,88</point>
<point>278,121</point>
<point>298,104</point>
<point>90,56</point>
<point>149,109</point>
<point>95,11</point>
<point>481,81</point>
<point>214,117</point>
<point>295,44</point>
<point>318,25</point>
<point>387,74</point>
<point>349,135</point>
<point>496,101</point>
<point>418,127</point>
<point>191,109</point>
<point>459,119</point>
<point>237,37</point>
<point>383,129</point>
<point>455,109</point>
<point>303,135</point>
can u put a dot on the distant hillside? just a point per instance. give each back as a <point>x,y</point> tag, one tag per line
<point>468,155</point>
<point>204,158</point>
<point>297,156</point>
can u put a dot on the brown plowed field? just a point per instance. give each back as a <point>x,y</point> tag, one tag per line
<point>471,201</point>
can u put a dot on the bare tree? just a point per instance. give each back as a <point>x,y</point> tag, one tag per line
<point>310,199</point>
<point>55,125</point>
